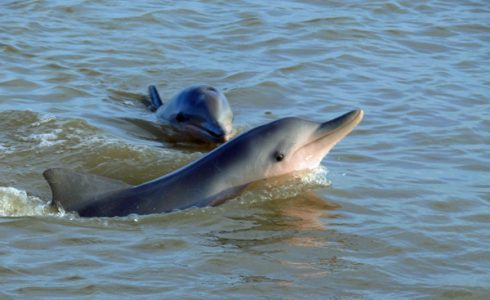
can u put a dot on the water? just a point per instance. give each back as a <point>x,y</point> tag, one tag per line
<point>403,211</point>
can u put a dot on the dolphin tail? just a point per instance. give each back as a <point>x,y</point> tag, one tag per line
<point>155,100</point>
<point>74,191</point>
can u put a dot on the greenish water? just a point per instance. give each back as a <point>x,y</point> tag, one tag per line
<point>399,209</point>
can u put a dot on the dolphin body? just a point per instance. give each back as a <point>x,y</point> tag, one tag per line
<point>274,149</point>
<point>198,113</point>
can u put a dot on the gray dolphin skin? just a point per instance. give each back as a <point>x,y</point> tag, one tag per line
<point>277,148</point>
<point>200,113</point>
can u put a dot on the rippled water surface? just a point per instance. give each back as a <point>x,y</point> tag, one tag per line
<point>399,209</point>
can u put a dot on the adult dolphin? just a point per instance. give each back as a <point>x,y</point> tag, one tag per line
<point>277,148</point>
<point>197,113</point>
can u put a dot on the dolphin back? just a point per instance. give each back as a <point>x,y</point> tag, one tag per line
<point>74,190</point>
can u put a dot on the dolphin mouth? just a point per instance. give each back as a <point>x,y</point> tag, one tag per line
<point>219,137</point>
<point>214,135</point>
<point>327,135</point>
<point>339,127</point>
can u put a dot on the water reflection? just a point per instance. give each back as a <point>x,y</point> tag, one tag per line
<point>296,221</point>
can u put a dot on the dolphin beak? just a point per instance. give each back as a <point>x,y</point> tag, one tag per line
<point>339,127</point>
<point>326,136</point>
<point>214,133</point>
<point>217,135</point>
<point>331,132</point>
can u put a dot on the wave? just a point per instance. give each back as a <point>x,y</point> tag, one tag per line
<point>287,186</point>
<point>17,203</point>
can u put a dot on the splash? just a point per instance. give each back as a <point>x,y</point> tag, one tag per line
<point>16,203</point>
<point>287,186</point>
<point>44,139</point>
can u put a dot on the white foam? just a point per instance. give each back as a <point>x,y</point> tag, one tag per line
<point>317,176</point>
<point>6,149</point>
<point>288,186</point>
<point>45,139</point>
<point>16,203</point>
<point>45,119</point>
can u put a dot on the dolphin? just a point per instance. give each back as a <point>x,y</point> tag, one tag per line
<point>274,149</point>
<point>198,113</point>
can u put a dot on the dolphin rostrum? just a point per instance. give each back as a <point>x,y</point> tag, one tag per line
<point>274,149</point>
<point>199,113</point>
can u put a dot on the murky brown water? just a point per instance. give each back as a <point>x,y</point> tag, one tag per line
<point>403,211</point>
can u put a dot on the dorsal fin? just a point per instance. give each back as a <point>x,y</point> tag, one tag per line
<point>155,99</point>
<point>74,191</point>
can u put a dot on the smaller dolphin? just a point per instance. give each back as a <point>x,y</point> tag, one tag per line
<point>199,113</point>
<point>274,149</point>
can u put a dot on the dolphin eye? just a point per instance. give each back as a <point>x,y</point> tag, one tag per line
<point>180,117</point>
<point>279,156</point>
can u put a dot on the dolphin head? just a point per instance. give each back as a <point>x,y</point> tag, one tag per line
<point>288,145</point>
<point>307,142</point>
<point>204,113</point>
